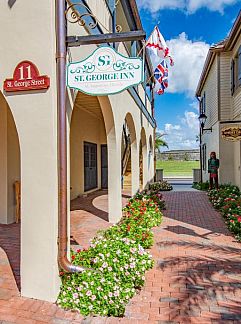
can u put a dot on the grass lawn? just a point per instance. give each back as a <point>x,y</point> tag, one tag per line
<point>177,168</point>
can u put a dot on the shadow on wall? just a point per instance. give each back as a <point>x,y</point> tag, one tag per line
<point>11,3</point>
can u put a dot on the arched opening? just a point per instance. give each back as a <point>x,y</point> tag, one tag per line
<point>128,153</point>
<point>92,141</point>
<point>143,160</point>
<point>150,153</point>
<point>10,196</point>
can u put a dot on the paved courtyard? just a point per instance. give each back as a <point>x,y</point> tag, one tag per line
<point>196,279</point>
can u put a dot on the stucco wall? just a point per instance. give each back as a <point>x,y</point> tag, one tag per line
<point>29,34</point>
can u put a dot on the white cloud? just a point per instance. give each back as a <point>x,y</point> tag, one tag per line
<point>194,105</point>
<point>189,6</point>
<point>183,135</point>
<point>189,58</point>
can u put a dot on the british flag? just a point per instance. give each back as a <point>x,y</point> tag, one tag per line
<point>161,75</point>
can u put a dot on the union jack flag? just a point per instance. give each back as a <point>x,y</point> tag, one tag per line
<point>161,75</point>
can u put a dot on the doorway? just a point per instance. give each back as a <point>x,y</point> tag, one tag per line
<point>90,166</point>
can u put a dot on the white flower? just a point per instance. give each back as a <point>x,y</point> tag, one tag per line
<point>93,297</point>
<point>75,295</point>
<point>111,302</point>
<point>108,255</point>
<point>110,268</point>
<point>64,293</point>
<point>143,262</point>
<point>105,297</point>
<point>126,266</point>
<point>102,280</point>
<point>143,277</point>
<point>88,293</point>
<point>69,288</point>
<point>110,294</point>
<point>91,307</point>
<point>121,269</point>
<point>92,283</point>
<point>105,265</point>
<point>118,252</point>
<point>116,293</point>
<point>115,260</point>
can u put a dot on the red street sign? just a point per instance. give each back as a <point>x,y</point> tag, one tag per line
<point>26,77</point>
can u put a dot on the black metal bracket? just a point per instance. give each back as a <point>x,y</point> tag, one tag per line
<point>207,129</point>
<point>74,41</point>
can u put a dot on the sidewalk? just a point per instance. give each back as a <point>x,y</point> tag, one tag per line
<point>196,279</point>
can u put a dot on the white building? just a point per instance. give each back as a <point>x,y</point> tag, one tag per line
<point>99,154</point>
<point>219,92</point>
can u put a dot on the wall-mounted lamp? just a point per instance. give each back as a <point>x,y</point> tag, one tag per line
<point>202,119</point>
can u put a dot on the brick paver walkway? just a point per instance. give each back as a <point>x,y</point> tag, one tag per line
<point>196,279</point>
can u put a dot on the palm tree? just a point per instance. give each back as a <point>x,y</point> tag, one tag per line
<point>160,142</point>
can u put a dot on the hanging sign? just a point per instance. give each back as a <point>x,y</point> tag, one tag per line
<point>26,77</point>
<point>231,133</point>
<point>105,72</point>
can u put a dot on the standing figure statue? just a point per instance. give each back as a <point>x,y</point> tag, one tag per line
<point>213,166</point>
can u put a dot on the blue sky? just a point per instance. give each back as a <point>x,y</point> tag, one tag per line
<point>189,27</point>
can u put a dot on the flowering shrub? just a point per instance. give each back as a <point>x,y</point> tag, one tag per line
<point>201,185</point>
<point>160,186</point>
<point>120,261</point>
<point>228,201</point>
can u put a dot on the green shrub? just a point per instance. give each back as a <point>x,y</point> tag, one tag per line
<point>160,186</point>
<point>201,185</point>
<point>119,257</point>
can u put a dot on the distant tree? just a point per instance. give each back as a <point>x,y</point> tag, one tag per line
<point>160,142</point>
<point>186,157</point>
<point>170,157</point>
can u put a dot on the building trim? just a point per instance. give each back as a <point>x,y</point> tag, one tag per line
<point>219,86</point>
<point>223,46</point>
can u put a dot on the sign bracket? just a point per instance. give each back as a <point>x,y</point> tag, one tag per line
<point>74,41</point>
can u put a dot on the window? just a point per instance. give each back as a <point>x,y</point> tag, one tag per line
<point>236,72</point>
<point>203,104</point>
<point>239,66</point>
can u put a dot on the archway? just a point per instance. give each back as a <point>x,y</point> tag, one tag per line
<point>92,157</point>
<point>129,156</point>
<point>143,160</point>
<point>9,188</point>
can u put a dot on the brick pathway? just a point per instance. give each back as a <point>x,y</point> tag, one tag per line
<point>196,279</point>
